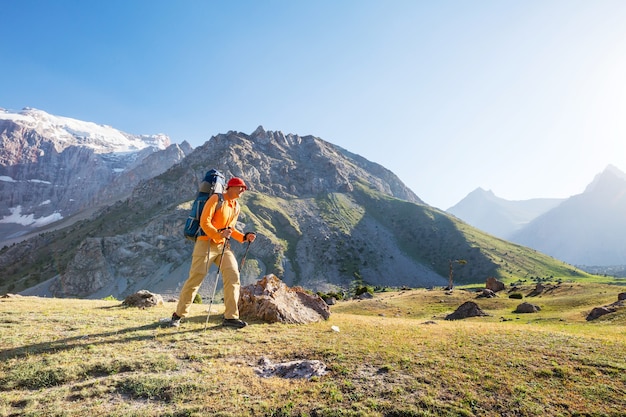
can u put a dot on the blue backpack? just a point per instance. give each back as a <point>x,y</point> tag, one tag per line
<point>213,183</point>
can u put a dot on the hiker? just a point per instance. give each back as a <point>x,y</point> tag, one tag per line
<point>218,227</point>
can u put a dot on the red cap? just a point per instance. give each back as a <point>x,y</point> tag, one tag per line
<point>236,182</point>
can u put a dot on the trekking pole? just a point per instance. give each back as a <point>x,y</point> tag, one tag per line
<point>243,260</point>
<point>217,277</point>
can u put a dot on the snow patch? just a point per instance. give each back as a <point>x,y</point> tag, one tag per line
<point>17,217</point>
<point>6,179</point>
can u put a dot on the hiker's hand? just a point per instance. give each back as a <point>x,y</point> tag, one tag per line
<point>226,233</point>
<point>249,237</point>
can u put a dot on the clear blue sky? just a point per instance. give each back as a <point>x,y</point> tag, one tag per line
<point>526,98</point>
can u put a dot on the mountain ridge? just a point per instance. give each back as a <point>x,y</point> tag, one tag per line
<point>500,217</point>
<point>586,229</point>
<point>326,219</point>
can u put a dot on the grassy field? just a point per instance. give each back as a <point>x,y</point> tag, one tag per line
<point>394,355</point>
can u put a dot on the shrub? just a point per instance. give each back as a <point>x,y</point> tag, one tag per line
<point>363,289</point>
<point>335,295</point>
<point>197,299</point>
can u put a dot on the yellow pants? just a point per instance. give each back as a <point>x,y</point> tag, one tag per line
<point>200,263</point>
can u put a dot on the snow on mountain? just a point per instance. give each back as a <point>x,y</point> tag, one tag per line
<point>67,132</point>
<point>53,167</point>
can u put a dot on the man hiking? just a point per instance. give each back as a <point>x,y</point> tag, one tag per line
<point>218,220</point>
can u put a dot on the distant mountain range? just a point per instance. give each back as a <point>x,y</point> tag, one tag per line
<point>585,229</point>
<point>53,168</point>
<point>500,217</point>
<point>326,219</point>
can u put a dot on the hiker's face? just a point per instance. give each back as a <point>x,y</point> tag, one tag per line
<point>238,190</point>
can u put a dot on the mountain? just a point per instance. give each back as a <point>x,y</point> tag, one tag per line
<point>586,229</point>
<point>500,217</point>
<point>52,168</point>
<point>326,219</point>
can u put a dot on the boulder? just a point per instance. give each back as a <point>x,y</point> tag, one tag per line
<point>494,285</point>
<point>143,299</point>
<point>527,308</point>
<point>271,300</point>
<point>486,293</point>
<point>599,312</point>
<point>465,310</point>
<point>539,288</point>
<point>611,308</point>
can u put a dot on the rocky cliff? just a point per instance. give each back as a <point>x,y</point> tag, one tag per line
<point>52,168</point>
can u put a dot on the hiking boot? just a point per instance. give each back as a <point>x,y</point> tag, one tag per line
<point>234,323</point>
<point>175,322</point>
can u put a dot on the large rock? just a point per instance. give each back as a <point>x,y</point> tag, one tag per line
<point>272,301</point>
<point>143,299</point>
<point>527,308</point>
<point>611,308</point>
<point>599,312</point>
<point>486,293</point>
<point>539,288</point>
<point>494,285</point>
<point>465,310</point>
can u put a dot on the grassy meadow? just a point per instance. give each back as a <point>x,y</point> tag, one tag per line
<point>394,355</point>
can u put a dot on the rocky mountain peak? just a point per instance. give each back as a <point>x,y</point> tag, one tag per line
<point>52,167</point>
<point>285,165</point>
<point>610,178</point>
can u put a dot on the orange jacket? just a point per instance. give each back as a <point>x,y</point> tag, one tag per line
<point>212,221</point>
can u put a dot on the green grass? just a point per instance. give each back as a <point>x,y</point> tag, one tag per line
<point>395,355</point>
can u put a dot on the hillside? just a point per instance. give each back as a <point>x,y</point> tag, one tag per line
<point>326,219</point>
<point>393,355</point>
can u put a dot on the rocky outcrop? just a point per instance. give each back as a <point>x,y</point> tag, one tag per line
<point>494,285</point>
<point>525,308</point>
<point>272,301</point>
<point>143,299</point>
<point>87,272</point>
<point>465,310</point>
